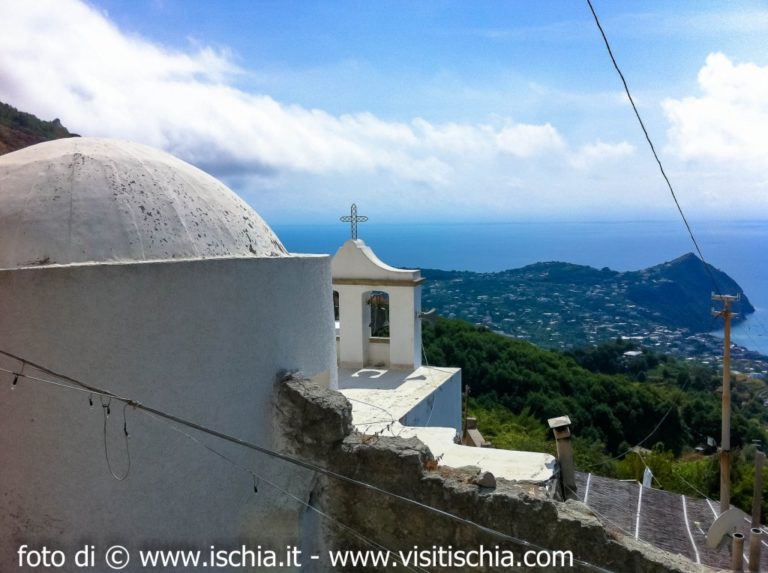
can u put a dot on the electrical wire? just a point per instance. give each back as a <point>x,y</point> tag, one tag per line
<point>602,517</point>
<point>285,492</point>
<point>81,386</point>
<point>653,475</point>
<point>289,459</point>
<point>105,413</point>
<point>638,444</point>
<point>645,439</point>
<point>690,485</point>
<point>653,149</point>
<point>391,418</point>
<point>51,382</point>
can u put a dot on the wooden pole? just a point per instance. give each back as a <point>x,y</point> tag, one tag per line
<point>725,442</point>
<point>725,466</point>
<point>757,492</point>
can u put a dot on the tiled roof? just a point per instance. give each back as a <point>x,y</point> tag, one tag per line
<point>669,521</point>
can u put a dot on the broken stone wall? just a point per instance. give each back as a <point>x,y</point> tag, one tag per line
<point>318,427</point>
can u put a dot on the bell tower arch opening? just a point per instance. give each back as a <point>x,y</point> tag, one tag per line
<point>378,310</point>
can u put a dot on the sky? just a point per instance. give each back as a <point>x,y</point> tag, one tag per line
<point>435,111</point>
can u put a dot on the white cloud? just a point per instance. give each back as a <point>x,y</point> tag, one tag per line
<point>728,121</point>
<point>592,153</point>
<point>524,140</point>
<point>741,20</point>
<point>62,58</point>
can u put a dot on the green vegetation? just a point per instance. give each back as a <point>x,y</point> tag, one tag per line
<point>19,129</point>
<point>12,117</point>
<point>614,401</point>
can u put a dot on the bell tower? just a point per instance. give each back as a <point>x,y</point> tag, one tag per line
<point>359,277</point>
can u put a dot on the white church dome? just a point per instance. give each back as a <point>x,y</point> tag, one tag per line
<point>82,200</point>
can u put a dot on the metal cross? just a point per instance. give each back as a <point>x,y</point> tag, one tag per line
<point>353,219</point>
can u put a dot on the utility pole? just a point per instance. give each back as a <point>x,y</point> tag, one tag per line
<point>725,442</point>
<point>757,491</point>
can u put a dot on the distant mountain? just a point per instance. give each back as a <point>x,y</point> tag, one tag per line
<point>19,129</point>
<point>681,291</point>
<point>561,305</point>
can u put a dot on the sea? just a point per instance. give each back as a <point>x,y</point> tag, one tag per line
<point>739,248</point>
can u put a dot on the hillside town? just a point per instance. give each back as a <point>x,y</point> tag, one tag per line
<point>575,312</point>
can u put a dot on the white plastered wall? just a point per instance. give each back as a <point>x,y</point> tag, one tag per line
<point>405,326</point>
<point>201,339</point>
<point>442,408</point>
<point>354,330</point>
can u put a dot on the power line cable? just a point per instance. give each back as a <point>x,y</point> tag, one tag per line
<point>653,149</point>
<point>283,457</point>
<point>602,517</point>
<point>689,484</point>
<point>391,418</point>
<point>105,413</point>
<point>641,442</point>
<point>653,475</point>
<point>51,382</point>
<point>285,492</point>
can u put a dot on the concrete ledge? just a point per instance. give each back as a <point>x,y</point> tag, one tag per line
<point>384,282</point>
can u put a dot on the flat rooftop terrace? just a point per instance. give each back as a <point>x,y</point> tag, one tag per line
<point>381,397</point>
<point>426,403</point>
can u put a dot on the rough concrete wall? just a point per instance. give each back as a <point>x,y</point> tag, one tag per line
<point>318,427</point>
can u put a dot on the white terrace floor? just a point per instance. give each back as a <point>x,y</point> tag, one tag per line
<point>426,403</point>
